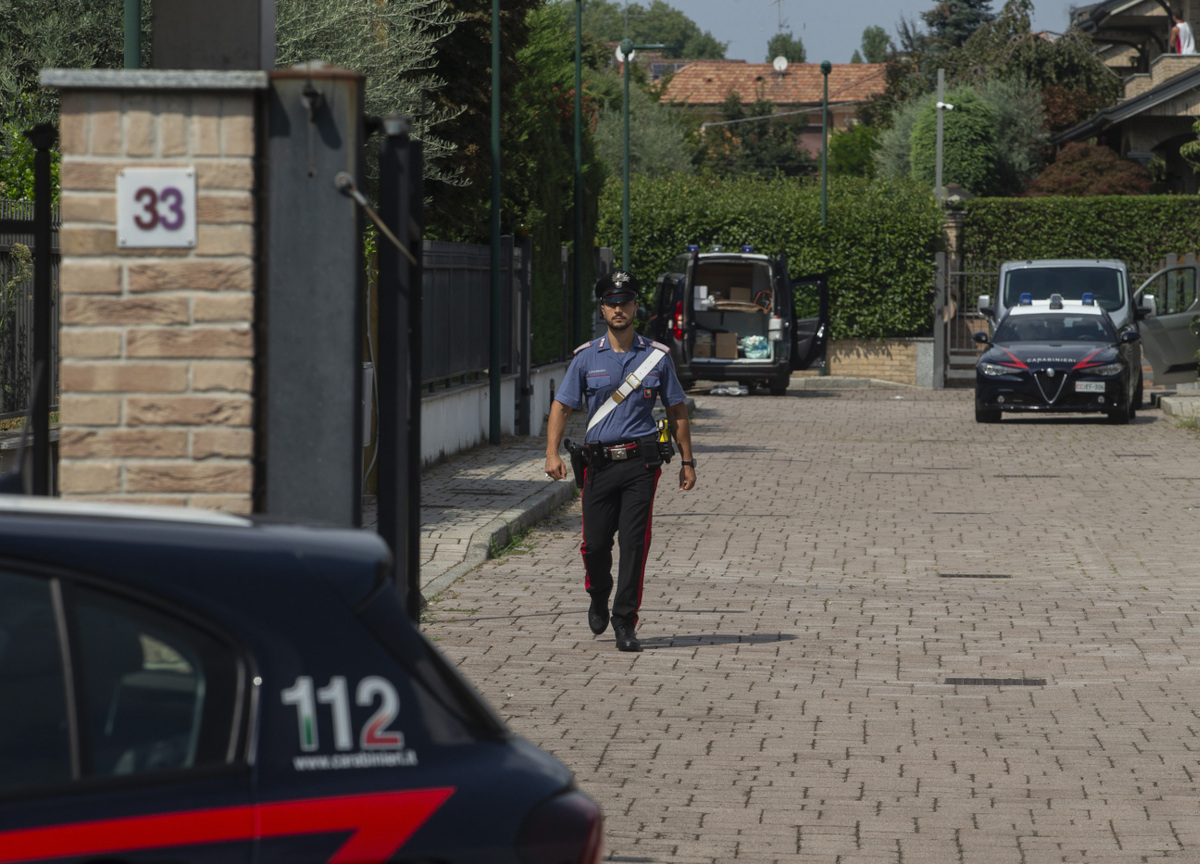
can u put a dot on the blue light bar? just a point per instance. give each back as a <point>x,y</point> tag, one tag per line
<point>746,247</point>
<point>693,247</point>
<point>1026,299</point>
<point>1088,299</point>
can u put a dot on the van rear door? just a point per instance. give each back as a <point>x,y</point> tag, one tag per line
<point>810,334</point>
<point>1171,337</point>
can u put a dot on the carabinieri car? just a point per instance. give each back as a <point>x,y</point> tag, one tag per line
<point>191,688</point>
<point>1056,356</point>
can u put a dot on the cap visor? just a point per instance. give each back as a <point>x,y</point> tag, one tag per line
<point>615,297</point>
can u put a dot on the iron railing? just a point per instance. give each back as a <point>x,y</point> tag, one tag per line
<point>16,313</point>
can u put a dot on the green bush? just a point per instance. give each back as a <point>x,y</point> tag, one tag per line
<point>969,135</point>
<point>877,246</point>
<point>1130,228</point>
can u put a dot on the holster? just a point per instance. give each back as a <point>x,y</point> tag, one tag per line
<point>579,459</point>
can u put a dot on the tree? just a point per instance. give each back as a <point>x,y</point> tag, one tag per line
<point>856,57</point>
<point>755,143</point>
<point>951,22</point>
<point>659,23</point>
<point>969,151</point>
<point>393,44</point>
<point>657,145</point>
<point>1084,169</point>
<point>55,34</point>
<point>1073,80</point>
<point>852,151</point>
<point>784,44</point>
<point>875,44</point>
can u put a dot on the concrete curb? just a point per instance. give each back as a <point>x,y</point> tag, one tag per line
<point>498,531</point>
<point>1181,407</point>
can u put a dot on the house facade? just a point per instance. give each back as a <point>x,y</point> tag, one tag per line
<point>702,86</point>
<point>1162,89</point>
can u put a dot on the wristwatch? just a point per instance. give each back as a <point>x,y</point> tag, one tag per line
<point>690,463</point>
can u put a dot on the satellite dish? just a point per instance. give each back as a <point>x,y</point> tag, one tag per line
<point>621,55</point>
<point>780,64</point>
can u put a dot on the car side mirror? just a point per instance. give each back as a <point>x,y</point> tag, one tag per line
<point>981,338</point>
<point>1148,308</point>
<point>1130,336</point>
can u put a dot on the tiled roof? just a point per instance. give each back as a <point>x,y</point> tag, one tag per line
<point>708,82</point>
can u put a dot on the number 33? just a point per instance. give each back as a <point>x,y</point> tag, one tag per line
<point>154,203</point>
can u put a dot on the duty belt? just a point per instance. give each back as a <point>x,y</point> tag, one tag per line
<point>615,452</point>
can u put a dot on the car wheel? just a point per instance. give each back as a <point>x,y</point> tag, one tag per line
<point>1140,394</point>
<point>987,415</point>
<point>1120,415</point>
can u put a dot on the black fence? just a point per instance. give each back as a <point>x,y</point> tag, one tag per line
<point>456,310</point>
<point>16,311</point>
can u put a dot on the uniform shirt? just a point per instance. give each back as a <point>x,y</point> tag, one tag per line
<point>596,371</point>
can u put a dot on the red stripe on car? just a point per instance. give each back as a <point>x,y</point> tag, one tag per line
<point>379,825</point>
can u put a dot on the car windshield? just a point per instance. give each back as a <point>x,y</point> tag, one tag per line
<point>1104,283</point>
<point>1054,328</point>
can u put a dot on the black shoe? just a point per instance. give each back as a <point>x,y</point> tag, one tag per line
<point>598,615</point>
<point>626,639</point>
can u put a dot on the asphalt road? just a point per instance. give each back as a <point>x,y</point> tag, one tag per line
<point>846,558</point>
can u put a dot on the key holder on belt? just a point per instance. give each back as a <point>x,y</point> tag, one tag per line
<point>633,381</point>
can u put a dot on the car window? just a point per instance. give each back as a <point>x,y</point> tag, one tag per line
<point>34,734</point>
<point>1054,328</point>
<point>1180,291</point>
<point>157,693</point>
<point>1104,283</point>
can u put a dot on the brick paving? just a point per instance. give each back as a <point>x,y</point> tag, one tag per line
<point>802,615</point>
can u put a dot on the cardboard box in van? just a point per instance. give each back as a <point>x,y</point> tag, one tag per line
<point>741,295</point>
<point>727,346</point>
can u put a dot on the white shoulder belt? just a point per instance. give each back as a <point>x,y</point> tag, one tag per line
<point>633,381</point>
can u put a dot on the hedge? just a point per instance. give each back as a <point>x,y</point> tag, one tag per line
<point>877,245</point>
<point>1127,227</point>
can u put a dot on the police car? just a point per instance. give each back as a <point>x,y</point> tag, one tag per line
<point>202,689</point>
<point>1057,356</point>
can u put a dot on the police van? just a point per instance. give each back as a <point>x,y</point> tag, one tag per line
<point>731,316</point>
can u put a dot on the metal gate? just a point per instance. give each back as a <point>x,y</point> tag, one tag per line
<point>956,318</point>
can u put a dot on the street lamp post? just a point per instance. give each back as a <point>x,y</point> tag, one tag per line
<point>578,236</point>
<point>626,56</point>
<point>939,192</point>
<point>826,67</point>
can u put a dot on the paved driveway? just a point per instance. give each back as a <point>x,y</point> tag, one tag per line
<point>847,556</point>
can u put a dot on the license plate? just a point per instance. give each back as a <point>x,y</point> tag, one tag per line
<point>1089,386</point>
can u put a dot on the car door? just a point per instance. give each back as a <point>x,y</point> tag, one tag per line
<point>1171,337</point>
<point>810,334</point>
<point>121,730</point>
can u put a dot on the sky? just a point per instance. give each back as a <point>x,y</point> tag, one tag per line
<point>830,29</point>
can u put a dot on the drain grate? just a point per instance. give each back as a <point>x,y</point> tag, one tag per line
<point>974,576</point>
<point>997,682</point>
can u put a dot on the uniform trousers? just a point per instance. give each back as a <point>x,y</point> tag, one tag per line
<point>618,498</point>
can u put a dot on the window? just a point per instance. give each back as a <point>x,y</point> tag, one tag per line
<point>35,744</point>
<point>157,693</point>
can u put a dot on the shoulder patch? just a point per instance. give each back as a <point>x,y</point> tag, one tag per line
<point>581,347</point>
<point>658,346</point>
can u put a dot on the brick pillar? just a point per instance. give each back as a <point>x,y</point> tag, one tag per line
<point>157,345</point>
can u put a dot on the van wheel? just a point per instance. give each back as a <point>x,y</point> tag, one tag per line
<point>778,388</point>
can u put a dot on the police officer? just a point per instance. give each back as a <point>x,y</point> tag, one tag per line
<point>624,462</point>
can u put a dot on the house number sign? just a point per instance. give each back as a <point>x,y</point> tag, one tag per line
<point>156,207</point>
